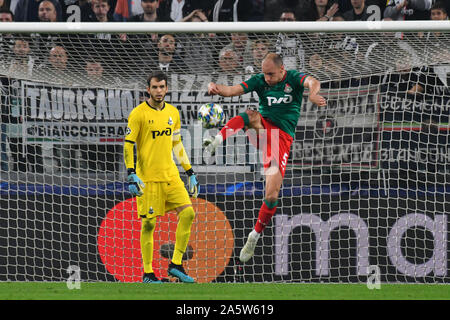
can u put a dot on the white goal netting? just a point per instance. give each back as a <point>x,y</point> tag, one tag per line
<point>367,183</point>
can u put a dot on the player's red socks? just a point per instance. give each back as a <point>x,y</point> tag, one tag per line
<point>265,215</point>
<point>234,125</point>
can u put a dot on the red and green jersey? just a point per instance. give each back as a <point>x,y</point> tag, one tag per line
<point>282,102</point>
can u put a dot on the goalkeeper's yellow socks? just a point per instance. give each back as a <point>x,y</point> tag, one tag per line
<point>265,215</point>
<point>147,229</point>
<point>182,234</point>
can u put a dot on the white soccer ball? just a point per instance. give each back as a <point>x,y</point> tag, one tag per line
<point>211,115</point>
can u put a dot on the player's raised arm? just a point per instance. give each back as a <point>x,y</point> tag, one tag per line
<point>225,91</point>
<point>314,88</point>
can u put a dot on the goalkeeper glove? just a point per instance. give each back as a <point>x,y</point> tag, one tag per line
<point>193,183</point>
<point>135,185</point>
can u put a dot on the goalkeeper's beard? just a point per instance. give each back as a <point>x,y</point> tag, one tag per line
<point>157,100</point>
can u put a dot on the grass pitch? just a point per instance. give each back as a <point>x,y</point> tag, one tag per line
<point>219,291</point>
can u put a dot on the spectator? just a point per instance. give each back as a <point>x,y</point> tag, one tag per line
<point>274,8</point>
<point>336,71</point>
<point>231,10</point>
<point>375,8</point>
<point>168,60</point>
<point>57,70</point>
<point>22,62</point>
<point>177,10</point>
<point>358,11</point>
<point>101,10</point>
<point>28,10</point>
<point>77,10</point>
<point>150,12</point>
<point>260,48</point>
<point>408,9</point>
<point>337,41</point>
<point>439,11</point>
<point>288,16</point>
<point>6,15</point>
<point>316,66</point>
<point>434,80</point>
<point>43,42</point>
<point>242,46</point>
<point>195,16</point>
<point>94,71</point>
<point>320,10</point>
<point>290,45</point>
<point>433,40</point>
<point>95,74</point>
<point>106,42</point>
<point>229,62</point>
<point>197,48</point>
<point>47,12</point>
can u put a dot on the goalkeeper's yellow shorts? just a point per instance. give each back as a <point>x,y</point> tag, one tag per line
<point>161,197</point>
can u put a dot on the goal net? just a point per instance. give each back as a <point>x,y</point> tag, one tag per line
<point>366,189</point>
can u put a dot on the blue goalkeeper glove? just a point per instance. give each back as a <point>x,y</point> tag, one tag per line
<point>135,185</point>
<point>192,183</point>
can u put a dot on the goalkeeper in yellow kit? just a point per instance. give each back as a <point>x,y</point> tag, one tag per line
<point>154,127</point>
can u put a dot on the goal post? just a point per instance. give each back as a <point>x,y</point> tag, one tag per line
<point>366,187</point>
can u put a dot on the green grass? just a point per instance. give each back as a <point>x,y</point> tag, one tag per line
<point>225,291</point>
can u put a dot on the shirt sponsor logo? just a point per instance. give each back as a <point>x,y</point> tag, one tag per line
<point>287,98</point>
<point>157,133</point>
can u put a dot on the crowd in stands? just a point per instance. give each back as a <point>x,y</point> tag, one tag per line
<point>27,53</point>
<point>56,58</point>
<point>214,10</point>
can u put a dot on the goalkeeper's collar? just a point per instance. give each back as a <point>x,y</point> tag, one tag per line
<point>164,105</point>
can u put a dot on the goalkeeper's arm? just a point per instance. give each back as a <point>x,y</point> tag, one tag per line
<point>183,160</point>
<point>135,184</point>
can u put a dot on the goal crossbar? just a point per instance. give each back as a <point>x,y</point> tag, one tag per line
<point>255,27</point>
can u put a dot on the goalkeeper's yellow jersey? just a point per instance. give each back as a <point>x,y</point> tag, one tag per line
<point>152,130</point>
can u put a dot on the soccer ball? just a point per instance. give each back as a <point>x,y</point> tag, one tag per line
<point>211,115</point>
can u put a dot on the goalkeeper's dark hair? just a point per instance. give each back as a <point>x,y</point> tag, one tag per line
<point>158,75</point>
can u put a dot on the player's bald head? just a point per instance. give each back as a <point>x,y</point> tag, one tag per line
<point>275,58</point>
<point>273,69</point>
